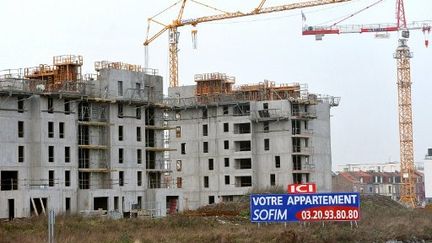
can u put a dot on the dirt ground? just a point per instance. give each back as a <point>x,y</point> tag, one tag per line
<point>381,219</point>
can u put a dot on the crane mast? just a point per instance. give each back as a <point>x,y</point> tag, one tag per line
<point>403,56</point>
<point>174,34</point>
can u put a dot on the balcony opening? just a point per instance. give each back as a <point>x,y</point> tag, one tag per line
<point>242,128</point>
<point>295,127</point>
<point>295,109</point>
<point>242,146</point>
<point>150,160</point>
<point>150,116</point>
<point>242,110</point>
<point>154,180</point>
<point>83,158</point>
<point>243,181</point>
<point>297,164</point>
<point>150,138</point>
<point>296,145</point>
<point>242,164</point>
<point>84,180</point>
<point>299,178</point>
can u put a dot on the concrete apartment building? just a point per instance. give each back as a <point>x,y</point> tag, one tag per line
<point>232,140</point>
<point>73,143</point>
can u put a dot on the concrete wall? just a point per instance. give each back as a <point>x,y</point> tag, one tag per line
<point>33,172</point>
<point>151,86</point>
<point>322,147</point>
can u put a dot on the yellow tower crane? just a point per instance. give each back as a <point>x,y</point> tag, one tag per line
<point>178,22</point>
<point>408,190</point>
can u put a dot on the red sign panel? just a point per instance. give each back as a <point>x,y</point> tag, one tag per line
<point>302,188</point>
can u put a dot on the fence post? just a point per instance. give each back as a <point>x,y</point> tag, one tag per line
<point>51,224</point>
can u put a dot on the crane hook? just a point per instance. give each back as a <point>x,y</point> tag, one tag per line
<point>426,31</point>
<point>194,38</point>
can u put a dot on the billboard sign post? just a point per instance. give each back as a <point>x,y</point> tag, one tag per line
<point>304,207</point>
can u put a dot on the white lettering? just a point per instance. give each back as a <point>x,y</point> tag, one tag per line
<point>270,215</point>
<point>268,200</point>
<point>290,201</point>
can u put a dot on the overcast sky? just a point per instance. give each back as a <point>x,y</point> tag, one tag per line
<point>358,68</point>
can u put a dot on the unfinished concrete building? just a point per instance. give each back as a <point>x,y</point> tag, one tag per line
<point>78,143</point>
<point>231,140</point>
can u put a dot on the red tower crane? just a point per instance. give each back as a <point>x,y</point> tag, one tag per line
<point>400,25</point>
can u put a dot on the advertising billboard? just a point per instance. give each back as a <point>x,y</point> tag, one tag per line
<point>304,207</point>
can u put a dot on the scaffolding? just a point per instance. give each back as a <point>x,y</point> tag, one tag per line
<point>213,83</point>
<point>218,87</point>
<point>158,163</point>
<point>268,90</point>
<point>65,68</point>
<point>100,65</point>
<point>93,147</point>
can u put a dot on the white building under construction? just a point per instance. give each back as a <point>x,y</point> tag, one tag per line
<point>77,144</point>
<point>80,143</point>
<point>231,140</point>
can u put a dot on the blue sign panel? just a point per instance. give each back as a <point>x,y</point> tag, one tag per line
<point>304,207</point>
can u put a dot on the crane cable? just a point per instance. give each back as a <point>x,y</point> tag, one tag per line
<point>210,7</point>
<point>361,10</point>
<point>281,17</point>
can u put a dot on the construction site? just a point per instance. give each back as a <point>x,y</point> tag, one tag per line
<point>111,144</point>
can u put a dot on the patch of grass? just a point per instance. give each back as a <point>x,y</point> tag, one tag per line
<point>382,220</point>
